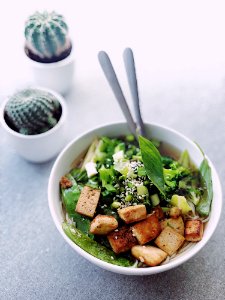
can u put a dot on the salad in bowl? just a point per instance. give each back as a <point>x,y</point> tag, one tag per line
<point>136,205</point>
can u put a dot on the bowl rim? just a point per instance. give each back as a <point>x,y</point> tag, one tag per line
<point>129,270</point>
<point>62,118</point>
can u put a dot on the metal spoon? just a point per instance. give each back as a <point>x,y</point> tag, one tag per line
<point>111,77</point>
<point>128,58</point>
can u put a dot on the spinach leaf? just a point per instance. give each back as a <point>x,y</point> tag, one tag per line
<point>204,205</point>
<point>70,195</point>
<point>153,163</point>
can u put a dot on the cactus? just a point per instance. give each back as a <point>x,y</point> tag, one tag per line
<point>47,37</point>
<point>32,111</point>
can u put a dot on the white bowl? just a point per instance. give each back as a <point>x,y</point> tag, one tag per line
<point>41,147</point>
<point>161,133</point>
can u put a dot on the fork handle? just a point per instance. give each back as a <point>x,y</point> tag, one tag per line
<point>132,80</point>
<point>112,79</point>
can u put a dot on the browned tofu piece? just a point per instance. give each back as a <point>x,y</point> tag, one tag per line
<point>175,212</point>
<point>176,224</point>
<point>103,224</point>
<point>147,230</point>
<point>193,230</point>
<point>158,212</point>
<point>65,182</point>
<point>132,214</point>
<point>169,240</point>
<point>151,256</point>
<point>88,201</point>
<point>122,239</point>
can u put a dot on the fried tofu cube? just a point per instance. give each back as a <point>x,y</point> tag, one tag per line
<point>132,214</point>
<point>65,183</point>
<point>158,212</point>
<point>150,255</point>
<point>122,239</point>
<point>147,230</point>
<point>103,224</point>
<point>169,240</point>
<point>176,224</point>
<point>175,212</point>
<point>193,230</point>
<point>88,201</point>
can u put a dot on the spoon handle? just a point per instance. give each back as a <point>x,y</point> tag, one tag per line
<point>111,77</point>
<point>132,79</point>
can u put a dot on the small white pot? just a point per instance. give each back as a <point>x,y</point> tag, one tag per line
<point>57,76</point>
<point>39,147</point>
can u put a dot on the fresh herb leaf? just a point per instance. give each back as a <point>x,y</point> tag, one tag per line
<point>153,163</point>
<point>204,205</point>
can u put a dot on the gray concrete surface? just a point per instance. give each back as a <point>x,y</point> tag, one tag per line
<point>36,263</point>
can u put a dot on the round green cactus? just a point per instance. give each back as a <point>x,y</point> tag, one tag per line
<point>47,37</point>
<point>32,111</point>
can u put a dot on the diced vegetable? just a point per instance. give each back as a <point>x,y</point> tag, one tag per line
<point>155,199</point>
<point>180,202</point>
<point>142,190</point>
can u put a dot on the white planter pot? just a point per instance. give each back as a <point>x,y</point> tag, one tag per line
<point>57,76</point>
<point>40,147</point>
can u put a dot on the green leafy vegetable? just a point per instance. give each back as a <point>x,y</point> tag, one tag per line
<point>79,174</point>
<point>94,248</point>
<point>204,205</point>
<point>153,163</point>
<point>82,223</point>
<point>107,177</point>
<point>70,197</point>
<point>185,159</point>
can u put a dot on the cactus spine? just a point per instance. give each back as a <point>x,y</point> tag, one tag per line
<point>32,111</point>
<point>47,37</point>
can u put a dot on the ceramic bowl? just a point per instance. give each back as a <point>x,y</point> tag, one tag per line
<point>169,136</point>
<point>40,147</point>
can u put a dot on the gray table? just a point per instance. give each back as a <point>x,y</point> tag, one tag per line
<point>36,263</point>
